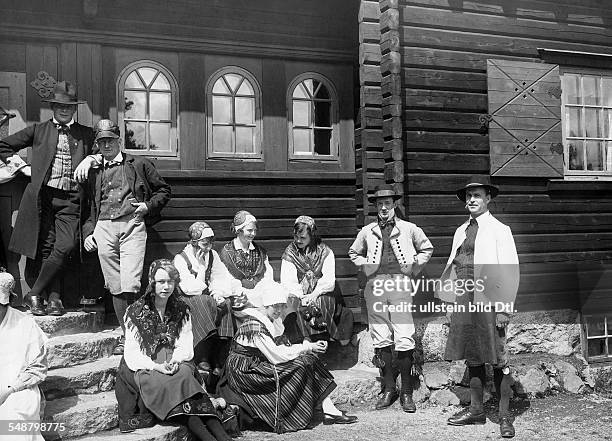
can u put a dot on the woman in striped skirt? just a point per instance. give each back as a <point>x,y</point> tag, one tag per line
<point>280,385</point>
<point>206,286</point>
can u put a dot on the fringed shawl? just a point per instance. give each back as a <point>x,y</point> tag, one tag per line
<point>151,331</point>
<point>309,263</point>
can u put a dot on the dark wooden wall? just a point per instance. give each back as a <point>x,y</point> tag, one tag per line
<point>562,230</point>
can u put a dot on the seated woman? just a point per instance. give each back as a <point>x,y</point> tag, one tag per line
<point>155,376</point>
<point>246,261</point>
<point>206,285</point>
<point>308,272</point>
<point>278,384</point>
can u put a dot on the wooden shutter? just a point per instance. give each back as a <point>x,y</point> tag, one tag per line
<point>525,119</point>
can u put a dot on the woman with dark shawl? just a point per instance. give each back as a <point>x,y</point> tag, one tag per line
<point>246,260</point>
<point>156,378</point>
<point>282,385</point>
<point>308,272</point>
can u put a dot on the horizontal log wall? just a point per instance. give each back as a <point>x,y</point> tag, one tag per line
<point>444,47</point>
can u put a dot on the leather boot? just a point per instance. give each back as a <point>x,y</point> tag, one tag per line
<point>506,428</point>
<point>37,306</point>
<point>407,402</point>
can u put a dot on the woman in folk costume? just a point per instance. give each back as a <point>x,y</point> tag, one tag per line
<point>156,377</point>
<point>206,286</point>
<point>23,363</point>
<point>281,385</point>
<point>308,272</point>
<point>246,260</point>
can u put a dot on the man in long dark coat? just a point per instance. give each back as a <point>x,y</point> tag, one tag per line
<point>47,225</point>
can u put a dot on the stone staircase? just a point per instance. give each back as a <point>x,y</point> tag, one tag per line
<point>79,389</point>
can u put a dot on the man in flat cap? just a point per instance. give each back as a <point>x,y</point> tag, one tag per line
<point>126,192</point>
<point>47,226</point>
<point>391,252</point>
<point>483,266</point>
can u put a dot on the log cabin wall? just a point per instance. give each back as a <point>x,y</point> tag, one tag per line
<point>91,42</point>
<point>562,229</point>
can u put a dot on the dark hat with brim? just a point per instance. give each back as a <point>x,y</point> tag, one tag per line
<point>384,191</point>
<point>64,92</point>
<point>106,128</point>
<point>477,181</point>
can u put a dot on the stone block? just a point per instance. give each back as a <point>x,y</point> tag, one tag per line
<point>355,386</point>
<point>71,322</point>
<point>74,349</point>
<point>459,373</point>
<point>573,384</point>
<point>420,393</point>
<point>436,376</point>
<point>533,382</point>
<point>553,332</point>
<point>155,433</point>
<point>88,378</point>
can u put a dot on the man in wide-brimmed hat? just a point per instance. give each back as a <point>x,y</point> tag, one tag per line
<point>483,268</point>
<point>47,226</point>
<point>391,252</point>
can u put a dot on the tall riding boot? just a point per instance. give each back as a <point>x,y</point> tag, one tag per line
<point>475,413</point>
<point>384,358</point>
<point>505,390</point>
<point>404,359</point>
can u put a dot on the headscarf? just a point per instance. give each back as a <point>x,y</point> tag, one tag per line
<point>200,230</point>
<point>241,220</point>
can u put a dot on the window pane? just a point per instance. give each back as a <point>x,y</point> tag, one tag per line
<point>591,119</point>
<point>607,91</point>
<point>301,113</point>
<point>233,80</point>
<point>595,160</point>
<point>301,141</point>
<point>160,136</point>
<point>222,109</point>
<point>590,90</point>
<point>220,87</point>
<point>245,110</point>
<point>309,85</point>
<point>135,135</point>
<point>597,347</point>
<point>576,155</point>
<point>574,121</point>
<point>322,93</point>
<point>607,124</point>
<point>322,114</point>
<point>135,104</point>
<point>609,168</point>
<point>222,139</point>
<point>133,82</point>
<point>246,88</point>
<point>595,326</point>
<point>160,105</point>
<point>322,141</point>
<point>244,140</point>
<point>161,83</point>
<point>300,92</point>
<point>147,74</point>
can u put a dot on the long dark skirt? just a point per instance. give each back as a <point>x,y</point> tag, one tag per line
<point>284,396</point>
<point>206,317</point>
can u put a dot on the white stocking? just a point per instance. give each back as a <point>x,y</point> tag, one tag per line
<point>329,408</point>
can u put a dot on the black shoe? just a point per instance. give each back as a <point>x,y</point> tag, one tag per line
<point>37,306</point>
<point>407,403</point>
<point>466,417</point>
<point>120,346</point>
<point>386,399</point>
<point>55,307</point>
<point>506,428</point>
<point>339,419</point>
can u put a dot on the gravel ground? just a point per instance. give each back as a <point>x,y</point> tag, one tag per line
<point>554,418</point>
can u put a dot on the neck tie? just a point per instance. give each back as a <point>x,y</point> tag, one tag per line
<point>62,128</point>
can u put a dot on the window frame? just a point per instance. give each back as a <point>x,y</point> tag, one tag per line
<point>257,155</point>
<point>334,155</point>
<point>607,336</point>
<point>174,106</point>
<point>580,174</point>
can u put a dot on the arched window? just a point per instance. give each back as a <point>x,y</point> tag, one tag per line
<point>234,114</point>
<point>147,104</point>
<point>313,118</point>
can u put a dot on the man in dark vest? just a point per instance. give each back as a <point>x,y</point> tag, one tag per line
<point>483,268</point>
<point>391,252</point>
<point>126,191</point>
<point>47,225</point>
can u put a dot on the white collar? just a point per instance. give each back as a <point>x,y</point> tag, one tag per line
<point>116,160</point>
<point>484,217</point>
<point>69,123</point>
<point>238,245</point>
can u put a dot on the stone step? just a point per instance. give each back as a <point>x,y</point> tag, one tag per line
<point>70,323</point>
<point>82,414</point>
<point>89,378</point>
<point>155,433</point>
<point>74,349</point>
<point>356,386</point>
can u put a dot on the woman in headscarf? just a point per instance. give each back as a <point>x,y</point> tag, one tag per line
<point>308,272</point>
<point>246,260</point>
<point>156,377</point>
<point>282,385</point>
<point>206,286</point>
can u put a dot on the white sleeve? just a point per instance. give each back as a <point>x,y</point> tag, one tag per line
<point>277,353</point>
<point>134,357</point>
<point>183,346</point>
<point>269,274</point>
<point>327,282</point>
<point>220,278</point>
<point>189,284</point>
<point>289,279</point>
